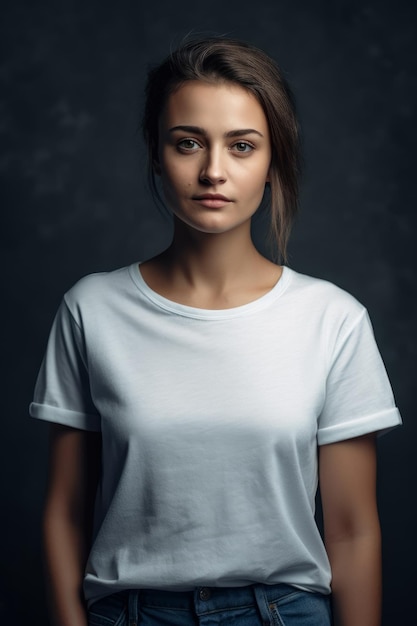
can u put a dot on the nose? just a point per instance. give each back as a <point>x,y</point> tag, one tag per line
<point>212,170</point>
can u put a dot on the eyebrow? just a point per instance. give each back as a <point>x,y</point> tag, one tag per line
<point>196,130</point>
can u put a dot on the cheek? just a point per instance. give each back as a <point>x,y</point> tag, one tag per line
<point>175,176</point>
<point>181,181</point>
<point>254,183</point>
<point>176,185</point>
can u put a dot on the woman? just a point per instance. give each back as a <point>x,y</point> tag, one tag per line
<point>216,387</point>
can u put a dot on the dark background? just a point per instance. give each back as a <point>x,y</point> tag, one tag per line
<point>74,201</point>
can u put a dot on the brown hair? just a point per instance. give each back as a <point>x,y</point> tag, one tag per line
<point>216,59</point>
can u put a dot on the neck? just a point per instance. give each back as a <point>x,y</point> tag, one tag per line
<point>216,260</point>
<point>212,271</point>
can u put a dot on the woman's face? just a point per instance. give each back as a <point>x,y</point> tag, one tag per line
<point>214,155</point>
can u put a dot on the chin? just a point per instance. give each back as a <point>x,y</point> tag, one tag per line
<point>212,228</point>
<point>214,223</point>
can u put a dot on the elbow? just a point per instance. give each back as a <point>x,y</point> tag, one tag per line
<point>350,531</point>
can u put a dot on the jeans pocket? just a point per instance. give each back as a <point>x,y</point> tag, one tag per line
<point>301,608</point>
<point>109,611</point>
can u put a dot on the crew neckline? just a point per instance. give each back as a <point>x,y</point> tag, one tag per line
<point>213,314</point>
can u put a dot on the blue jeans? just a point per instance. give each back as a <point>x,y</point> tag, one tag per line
<point>255,605</point>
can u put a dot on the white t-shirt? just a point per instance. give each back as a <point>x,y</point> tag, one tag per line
<point>210,422</point>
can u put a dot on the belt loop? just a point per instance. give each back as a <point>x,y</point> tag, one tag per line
<point>262,604</point>
<point>133,607</point>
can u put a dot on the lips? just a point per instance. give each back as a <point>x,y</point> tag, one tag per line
<point>212,196</point>
<point>212,200</point>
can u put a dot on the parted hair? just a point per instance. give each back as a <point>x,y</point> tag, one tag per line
<point>220,59</point>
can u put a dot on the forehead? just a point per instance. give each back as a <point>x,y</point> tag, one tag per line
<point>225,106</point>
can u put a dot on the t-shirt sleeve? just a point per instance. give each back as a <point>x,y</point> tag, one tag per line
<point>62,391</point>
<point>359,399</point>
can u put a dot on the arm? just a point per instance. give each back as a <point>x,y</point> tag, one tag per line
<point>351,529</point>
<point>74,472</point>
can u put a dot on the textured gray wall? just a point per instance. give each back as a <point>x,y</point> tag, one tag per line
<point>73,202</point>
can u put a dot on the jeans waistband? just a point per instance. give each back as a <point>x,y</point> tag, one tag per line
<point>213,598</point>
<point>258,603</point>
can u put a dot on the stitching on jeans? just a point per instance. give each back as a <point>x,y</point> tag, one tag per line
<point>276,617</point>
<point>289,596</point>
<point>121,619</point>
<point>162,607</point>
<point>103,619</point>
<point>227,608</point>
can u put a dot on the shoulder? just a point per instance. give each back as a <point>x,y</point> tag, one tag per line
<point>323,306</point>
<point>94,291</point>
<point>322,295</point>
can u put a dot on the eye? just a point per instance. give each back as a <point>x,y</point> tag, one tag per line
<point>242,146</point>
<point>188,144</point>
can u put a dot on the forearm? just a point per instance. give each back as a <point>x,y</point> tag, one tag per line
<point>356,579</point>
<point>65,561</point>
